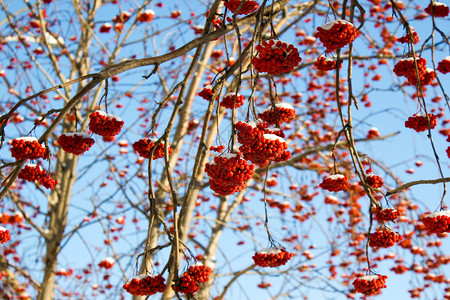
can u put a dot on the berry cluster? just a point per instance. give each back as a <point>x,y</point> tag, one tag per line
<point>373,133</point>
<point>27,148</point>
<point>406,67</point>
<point>64,272</point>
<point>374,181</point>
<point>336,34</point>
<point>325,64</point>
<point>437,222</point>
<point>419,122</point>
<point>370,285</point>
<point>33,173</point>
<point>384,238</point>
<point>76,143</point>
<point>107,263</point>
<point>406,40</point>
<point>145,146</point>
<point>105,124</point>
<point>8,219</point>
<point>207,92</point>
<point>272,257</point>
<point>199,272</point>
<point>249,133</point>
<point>228,101</point>
<point>283,112</point>
<point>330,199</point>
<point>439,9</point>
<point>248,7</point>
<point>145,285</point>
<point>444,65</point>
<point>335,183</point>
<point>4,235</point>
<point>146,16</point>
<point>386,214</point>
<point>229,173</point>
<point>48,182</point>
<point>186,285</point>
<point>269,147</point>
<point>276,57</point>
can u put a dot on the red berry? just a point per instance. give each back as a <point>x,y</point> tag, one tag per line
<point>336,34</point>
<point>228,101</point>
<point>199,272</point>
<point>186,285</point>
<point>75,142</point>
<point>107,263</point>
<point>28,148</point>
<point>248,7</point>
<point>146,16</point>
<point>419,122</point>
<point>272,257</point>
<point>32,173</point>
<point>439,8</point>
<point>437,222</point>
<point>145,146</point>
<point>276,57</point>
<point>105,124</point>
<point>335,183</point>
<point>325,64</point>
<point>283,112</point>
<point>370,285</point>
<point>386,214</point>
<point>4,235</point>
<point>145,285</point>
<point>384,238</point>
<point>405,39</point>
<point>444,65</point>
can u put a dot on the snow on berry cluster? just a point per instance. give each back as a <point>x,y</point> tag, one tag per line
<point>336,34</point>
<point>419,122</point>
<point>276,57</point>
<point>335,183</point>
<point>186,284</point>
<point>325,64</point>
<point>146,16</point>
<point>105,124</point>
<point>33,173</point>
<point>250,133</point>
<point>228,173</point>
<point>106,263</point>
<point>272,257</point>
<point>248,7</point>
<point>8,219</point>
<point>145,146</point>
<point>384,238</point>
<point>27,148</point>
<point>386,214</point>
<point>145,285</point>
<point>206,93</point>
<point>439,9</point>
<point>75,142</point>
<point>444,65</point>
<point>199,272</point>
<point>406,40</point>
<point>228,100</point>
<point>269,147</point>
<point>374,180</point>
<point>4,235</point>
<point>406,67</point>
<point>437,222</point>
<point>283,112</point>
<point>370,285</point>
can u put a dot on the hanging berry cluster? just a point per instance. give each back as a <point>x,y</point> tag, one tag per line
<point>374,181</point>
<point>336,34</point>
<point>269,148</point>
<point>384,238</point>
<point>145,146</point>
<point>370,285</point>
<point>75,142</point>
<point>33,173</point>
<point>386,214</point>
<point>145,285</point>
<point>325,64</point>
<point>406,68</point>
<point>439,9</point>
<point>206,93</point>
<point>105,124</point>
<point>228,173</point>
<point>199,272</point>
<point>272,257</point>
<point>186,285</point>
<point>283,112</point>
<point>14,219</point>
<point>107,263</point>
<point>419,122</point>
<point>4,235</point>
<point>228,100</point>
<point>276,57</point>
<point>406,40</point>
<point>335,183</point>
<point>444,65</point>
<point>28,148</point>
<point>437,222</point>
<point>248,7</point>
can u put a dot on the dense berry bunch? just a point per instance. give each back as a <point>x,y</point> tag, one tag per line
<point>199,272</point>
<point>248,7</point>
<point>336,34</point>
<point>48,182</point>
<point>269,147</point>
<point>4,235</point>
<point>406,67</point>
<point>335,183</point>
<point>107,263</point>
<point>228,100</point>
<point>76,143</point>
<point>444,65</point>
<point>386,214</point>
<point>105,124</point>
<point>272,257</point>
<point>439,9</point>
<point>206,93</point>
<point>145,146</point>
<point>419,122</point>
<point>249,133</point>
<point>370,285</point>
<point>229,173</point>
<point>405,39</point>
<point>325,64</point>
<point>374,181</point>
<point>145,285</point>
<point>283,112</point>
<point>27,148</point>
<point>186,285</point>
<point>32,173</point>
<point>437,222</point>
<point>384,238</point>
<point>276,57</point>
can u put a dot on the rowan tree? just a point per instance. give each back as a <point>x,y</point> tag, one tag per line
<point>223,148</point>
